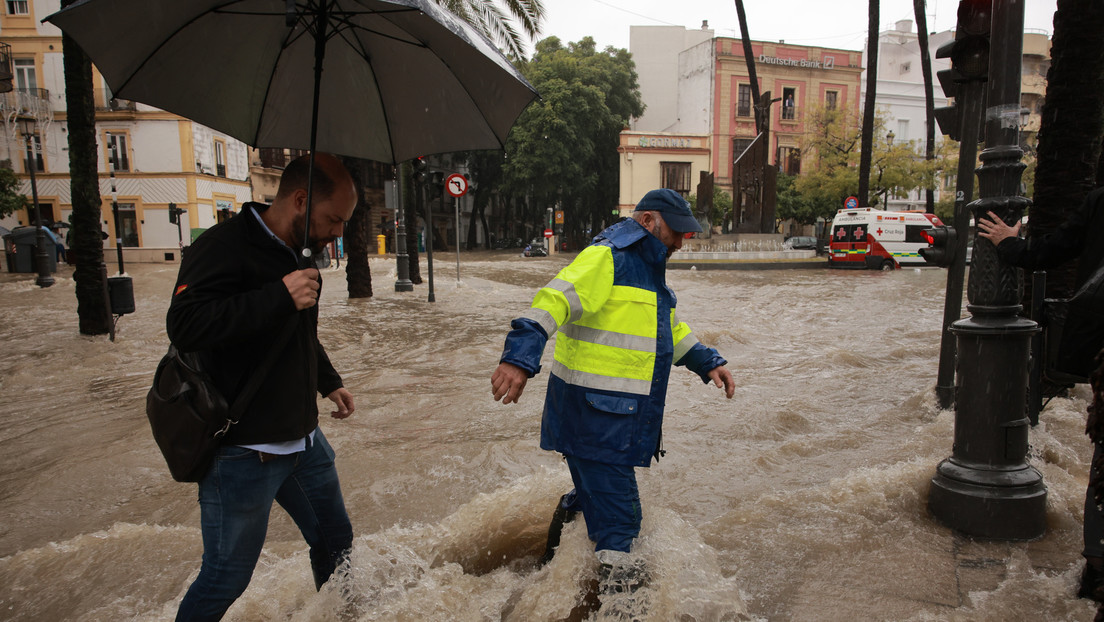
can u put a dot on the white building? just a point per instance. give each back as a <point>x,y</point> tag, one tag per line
<point>900,95</point>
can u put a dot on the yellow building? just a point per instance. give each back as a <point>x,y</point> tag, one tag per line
<point>160,159</point>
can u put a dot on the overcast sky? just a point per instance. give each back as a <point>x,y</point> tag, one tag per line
<point>822,23</point>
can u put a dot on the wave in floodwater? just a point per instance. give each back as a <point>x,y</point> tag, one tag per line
<point>802,498</point>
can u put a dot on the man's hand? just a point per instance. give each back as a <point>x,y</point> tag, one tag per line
<point>507,382</point>
<point>723,379</point>
<point>994,229</point>
<point>303,286</point>
<point>344,401</point>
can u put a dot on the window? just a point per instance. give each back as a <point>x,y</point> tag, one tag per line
<point>128,222</point>
<point>902,130</point>
<point>676,176</point>
<point>220,157</point>
<point>830,99</point>
<point>789,160</point>
<point>743,103</point>
<point>25,77</point>
<point>788,103</point>
<point>18,7</point>
<point>117,154</point>
<point>39,165</point>
<point>739,146</point>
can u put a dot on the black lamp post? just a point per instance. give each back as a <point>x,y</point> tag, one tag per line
<point>42,260</point>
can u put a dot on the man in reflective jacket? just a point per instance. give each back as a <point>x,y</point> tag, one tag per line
<point>619,336</point>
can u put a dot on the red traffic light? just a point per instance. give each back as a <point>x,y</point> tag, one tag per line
<point>942,245</point>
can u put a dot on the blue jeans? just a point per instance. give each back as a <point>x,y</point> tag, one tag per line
<point>607,496</point>
<point>235,498</point>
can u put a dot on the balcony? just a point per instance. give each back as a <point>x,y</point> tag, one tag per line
<point>105,102</point>
<point>27,103</point>
<point>278,158</point>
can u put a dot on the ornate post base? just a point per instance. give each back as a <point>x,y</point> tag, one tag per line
<point>1002,505</point>
<point>986,488</point>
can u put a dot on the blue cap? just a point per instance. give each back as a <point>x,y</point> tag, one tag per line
<point>675,209</point>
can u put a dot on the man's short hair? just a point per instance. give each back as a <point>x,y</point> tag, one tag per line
<point>296,175</point>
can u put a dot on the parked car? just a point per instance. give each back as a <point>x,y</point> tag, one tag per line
<point>800,242</point>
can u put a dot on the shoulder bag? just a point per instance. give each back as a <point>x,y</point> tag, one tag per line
<point>187,413</point>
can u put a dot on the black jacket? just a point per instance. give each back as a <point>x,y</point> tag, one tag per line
<point>230,304</point>
<point>1081,236</point>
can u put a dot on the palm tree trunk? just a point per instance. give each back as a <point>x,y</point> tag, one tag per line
<point>929,99</point>
<point>410,213</point>
<point>1072,125</point>
<point>358,274</point>
<point>868,105</point>
<point>86,246</point>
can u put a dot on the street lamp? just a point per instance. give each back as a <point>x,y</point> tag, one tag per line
<point>885,195</point>
<point>42,260</point>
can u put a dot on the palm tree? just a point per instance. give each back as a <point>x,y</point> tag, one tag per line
<point>86,246</point>
<point>929,97</point>
<point>1072,125</point>
<point>358,274</point>
<point>868,105</point>
<point>498,22</point>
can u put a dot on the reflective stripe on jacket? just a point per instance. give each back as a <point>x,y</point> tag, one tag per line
<point>618,337</point>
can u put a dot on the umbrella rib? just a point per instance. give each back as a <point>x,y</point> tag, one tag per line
<point>162,44</point>
<point>466,90</point>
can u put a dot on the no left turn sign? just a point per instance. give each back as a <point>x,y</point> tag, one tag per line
<point>456,185</point>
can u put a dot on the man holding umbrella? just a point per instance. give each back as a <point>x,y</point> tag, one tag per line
<point>239,294</point>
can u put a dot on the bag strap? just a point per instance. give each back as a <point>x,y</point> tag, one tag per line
<point>246,396</point>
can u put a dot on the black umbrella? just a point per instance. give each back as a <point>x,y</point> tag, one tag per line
<point>386,80</point>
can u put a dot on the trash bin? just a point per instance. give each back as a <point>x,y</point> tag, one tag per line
<point>120,291</point>
<point>381,244</point>
<point>19,246</point>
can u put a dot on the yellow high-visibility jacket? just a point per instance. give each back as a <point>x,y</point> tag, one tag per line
<point>618,337</point>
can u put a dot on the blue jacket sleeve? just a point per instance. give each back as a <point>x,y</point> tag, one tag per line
<point>701,360</point>
<point>525,345</point>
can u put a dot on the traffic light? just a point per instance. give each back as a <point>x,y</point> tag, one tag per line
<point>436,181</point>
<point>174,213</point>
<point>969,54</point>
<point>420,167</point>
<point>941,245</point>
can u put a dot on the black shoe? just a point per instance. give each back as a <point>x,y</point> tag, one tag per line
<point>1092,580</point>
<point>560,517</point>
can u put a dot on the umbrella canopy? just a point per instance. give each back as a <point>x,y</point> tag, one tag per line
<point>396,79</point>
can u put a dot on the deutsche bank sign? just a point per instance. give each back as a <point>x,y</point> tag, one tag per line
<point>829,62</point>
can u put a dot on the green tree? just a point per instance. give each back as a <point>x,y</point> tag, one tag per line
<point>11,201</point>
<point>834,138</point>
<point>562,153</point>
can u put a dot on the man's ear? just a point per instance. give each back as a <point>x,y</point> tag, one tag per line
<point>299,200</point>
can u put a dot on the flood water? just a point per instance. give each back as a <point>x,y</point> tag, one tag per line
<point>809,486</point>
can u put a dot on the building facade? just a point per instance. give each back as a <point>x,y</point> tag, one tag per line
<point>148,159</point>
<point>900,95</point>
<point>713,107</point>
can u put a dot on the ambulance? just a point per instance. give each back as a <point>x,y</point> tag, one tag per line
<point>866,238</point>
